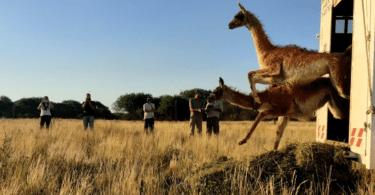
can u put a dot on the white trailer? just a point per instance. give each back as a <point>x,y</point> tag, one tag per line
<point>344,23</point>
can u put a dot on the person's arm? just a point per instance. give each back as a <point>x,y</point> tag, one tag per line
<point>88,103</point>
<point>207,110</point>
<point>220,108</point>
<point>92,105</point>
<point>40,106</point>
<point>152,107</point>
<point>148,110</point>
<point>52,106</point>
<point>202,109</point>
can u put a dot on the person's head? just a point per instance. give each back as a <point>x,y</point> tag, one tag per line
<point>45,99</point>
<point>88,96</point>
<point>149,99</point>
<point>197,95</point>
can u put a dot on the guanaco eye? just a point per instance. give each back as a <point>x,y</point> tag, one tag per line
<point>239,17</point>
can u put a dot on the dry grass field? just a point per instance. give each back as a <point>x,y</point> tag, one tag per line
<point>119,158</point>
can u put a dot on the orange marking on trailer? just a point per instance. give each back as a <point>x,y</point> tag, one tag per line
<point>352,141</point>
<point>360,133</point>
<point>359,142</point>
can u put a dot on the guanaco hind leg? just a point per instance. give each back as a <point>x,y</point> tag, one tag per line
<point>338,106</point>
<point>281,124</point>
<point>340,78</point>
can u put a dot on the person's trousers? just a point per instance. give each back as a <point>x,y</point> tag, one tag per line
<point>213,125</point>
<point>196,120</point>
<point>88,120</point>
<point>45,119</point>
<point>149,124</point>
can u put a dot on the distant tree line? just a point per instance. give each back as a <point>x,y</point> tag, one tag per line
<point>126,107</point>
<point>27,108</point>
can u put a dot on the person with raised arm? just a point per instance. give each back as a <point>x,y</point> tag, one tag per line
<point>88,112</point>
<point>45,112</point>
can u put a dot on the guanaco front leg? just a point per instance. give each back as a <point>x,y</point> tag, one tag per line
<point>255,124</point>
<point>263,76</point>
<point>254,92</point>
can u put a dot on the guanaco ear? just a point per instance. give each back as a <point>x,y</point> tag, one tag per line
<point>241,7</point>
<point>221,82</point>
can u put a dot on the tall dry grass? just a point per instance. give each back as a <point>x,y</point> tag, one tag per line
<point>119,158</point>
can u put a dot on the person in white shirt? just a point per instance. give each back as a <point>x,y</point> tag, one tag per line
<point>213,111</point>
<point>149,109</point>
<point>45,112</point>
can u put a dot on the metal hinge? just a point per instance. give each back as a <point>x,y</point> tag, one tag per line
<point>366,125</point>
<point>368,36</point>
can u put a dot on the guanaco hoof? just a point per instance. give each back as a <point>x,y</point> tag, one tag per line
<point>242,142</point>
<point>257,99</point>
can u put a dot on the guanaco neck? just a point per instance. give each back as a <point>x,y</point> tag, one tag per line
<point>262,44</point>
<point>239,99</point>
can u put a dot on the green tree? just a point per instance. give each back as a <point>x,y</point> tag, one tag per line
<point>169,105</point>
<point>187,94</point>
<point>132,104</point>
<point>6,107</point>
<point>27,107</point>
<point>5,99</point>
<point>67,109</point>
<point>103,111</point>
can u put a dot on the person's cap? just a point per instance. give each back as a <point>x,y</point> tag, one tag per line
<point>45,98</point>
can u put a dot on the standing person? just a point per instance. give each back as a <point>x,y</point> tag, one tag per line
<point>196,113</point>
<point>149,109</point>
<point>88,112</point>
<point>45,112</point>
<point>213,111</point>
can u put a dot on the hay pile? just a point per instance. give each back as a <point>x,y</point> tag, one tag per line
<point>306,167</point>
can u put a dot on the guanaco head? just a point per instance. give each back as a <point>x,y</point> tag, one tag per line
<point>231,95</point>
<point>243,18</point>
<point>217,94</point>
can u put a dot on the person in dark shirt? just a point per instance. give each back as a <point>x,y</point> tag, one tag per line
<point>196,106</point>
<point>88,112</point>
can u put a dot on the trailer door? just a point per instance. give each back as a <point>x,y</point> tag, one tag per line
<point>359,94</point>
<point>324,46</point>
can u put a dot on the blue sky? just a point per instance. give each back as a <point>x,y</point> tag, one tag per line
<point>65,49</point>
